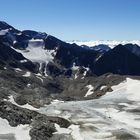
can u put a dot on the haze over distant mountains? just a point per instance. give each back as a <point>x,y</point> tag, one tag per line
<point>110,43</point>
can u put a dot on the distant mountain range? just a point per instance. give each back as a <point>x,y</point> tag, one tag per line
<point>48,55</point>
<point>109,43</point>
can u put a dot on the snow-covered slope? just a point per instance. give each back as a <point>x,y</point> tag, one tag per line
<point>113,116</point>
<point>21,132</point>
<point>110,43</point>
<point>36,52</point>
<point>128,90</point>
<point>4,32</point>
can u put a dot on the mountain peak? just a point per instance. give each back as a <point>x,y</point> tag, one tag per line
<point>4,25</point>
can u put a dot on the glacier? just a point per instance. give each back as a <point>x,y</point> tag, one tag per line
<point>114,115</point>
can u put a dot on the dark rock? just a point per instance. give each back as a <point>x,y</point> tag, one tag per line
<point>119,60</point>
<point>42,130</point>
<point>15,115</point>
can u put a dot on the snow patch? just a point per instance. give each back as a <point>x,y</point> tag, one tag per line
<point>21,132</point>
<point>56,101</point>
<point>37,54</point>
<point>14,42</point>
<point>5,68</point>
<point>23,61</point>
<point>4,32</point>
<point>90,90</point>
<point>35,40</point>
<point>103,87</point>
<point>20,33</point>
<point>76,76</point>
<point>45,72</point>
<point>85,72</point>
<point>74,67</point>
<point>27,74</point>
<point>61,130</point>
<point>28,85</point>
<point>18,69</point>
<point>98,57</point>
<point>27,106</point>
<point>40,77</point>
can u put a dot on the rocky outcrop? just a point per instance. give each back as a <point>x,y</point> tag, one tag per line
<point>42,127</point>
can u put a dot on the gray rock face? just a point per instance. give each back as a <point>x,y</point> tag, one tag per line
<point>15,115</point>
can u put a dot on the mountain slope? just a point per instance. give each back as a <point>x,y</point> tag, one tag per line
<point>10,57</point>
<point>54,57</point>
<point>119,60</point>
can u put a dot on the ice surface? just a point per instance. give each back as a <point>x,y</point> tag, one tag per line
<point>113,116</point>
<point>36,53</point>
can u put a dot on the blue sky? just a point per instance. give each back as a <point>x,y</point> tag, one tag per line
<point>76,19</point>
